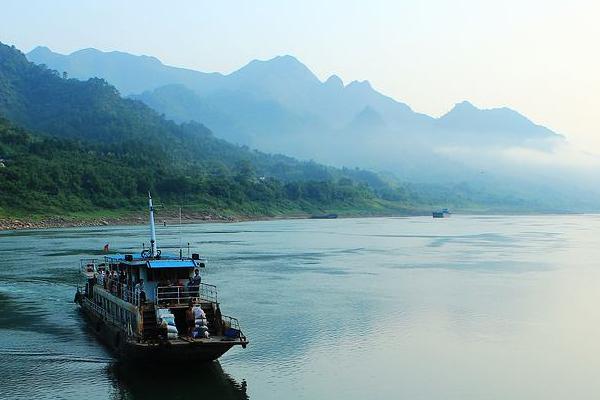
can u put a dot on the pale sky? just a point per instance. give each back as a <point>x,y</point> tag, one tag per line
<point>541,58</point>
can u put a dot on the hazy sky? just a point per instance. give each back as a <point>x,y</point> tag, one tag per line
<point>539,57</point>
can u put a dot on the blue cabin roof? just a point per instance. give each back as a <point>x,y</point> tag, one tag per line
<point>171,264</point>
<point>166,261</point>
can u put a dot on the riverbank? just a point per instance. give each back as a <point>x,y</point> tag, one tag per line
<point>172,218</point>
<point>170,214</point>
<point>142,219</point>
<point>134,219</point>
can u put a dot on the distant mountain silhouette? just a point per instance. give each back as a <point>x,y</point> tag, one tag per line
<point>466,117</point>
<point>503,125</point>
<point>267,102</point>
<point>128,73</point>
<point>279,105</point>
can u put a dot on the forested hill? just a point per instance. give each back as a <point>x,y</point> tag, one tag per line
<point>68,145</point>
<point>41,100</point>
<point>46,175</point>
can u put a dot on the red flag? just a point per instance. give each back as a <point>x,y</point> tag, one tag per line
<point>106,248</point>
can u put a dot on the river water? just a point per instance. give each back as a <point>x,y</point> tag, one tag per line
<point>470,307</point>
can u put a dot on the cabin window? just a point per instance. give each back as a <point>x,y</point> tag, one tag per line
<point>168,274</point>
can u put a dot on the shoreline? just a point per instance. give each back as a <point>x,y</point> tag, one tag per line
<point>14,224</point>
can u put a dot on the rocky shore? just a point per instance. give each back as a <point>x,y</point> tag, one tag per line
<point>66,222</point>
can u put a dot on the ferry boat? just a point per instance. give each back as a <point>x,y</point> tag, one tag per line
<point>151,306</point>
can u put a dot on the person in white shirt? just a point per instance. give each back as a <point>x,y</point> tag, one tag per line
<point>139,291</point>
<point>101,278</point>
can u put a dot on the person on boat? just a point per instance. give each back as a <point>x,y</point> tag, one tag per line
<point>189,317</point>
<point>173,290</point>
<point>114,283</point>
<point>190,288</point>
<point>196,280</point>
<point>118,284</point>
<point>218,320</point>
<point>164,329</point>
<point>199,313</point>
<point>101,277</point>
<point>139,291</point>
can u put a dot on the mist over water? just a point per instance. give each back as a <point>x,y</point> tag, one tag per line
<point>468,307</point>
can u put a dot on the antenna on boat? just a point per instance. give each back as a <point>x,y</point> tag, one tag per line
<point>180,251</point>
<point>153,251</point>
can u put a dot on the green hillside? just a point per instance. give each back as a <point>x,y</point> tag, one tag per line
<point>43,174</point>
<point>70,146</point>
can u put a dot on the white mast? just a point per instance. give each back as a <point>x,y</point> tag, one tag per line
<point>152,230</point>
<point>180,253</point>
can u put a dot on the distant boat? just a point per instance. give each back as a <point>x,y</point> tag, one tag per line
<point>324,216</point>
<point>443,213</point>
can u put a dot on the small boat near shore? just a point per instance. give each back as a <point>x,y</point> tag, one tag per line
<point>154,307</point>
<point>324,216</point>
<point>443,213</point>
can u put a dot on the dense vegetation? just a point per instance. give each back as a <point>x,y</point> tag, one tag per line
<point>63,174</point>
<point>83,147</point>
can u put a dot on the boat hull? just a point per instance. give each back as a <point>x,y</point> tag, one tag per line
<point>179,350</point>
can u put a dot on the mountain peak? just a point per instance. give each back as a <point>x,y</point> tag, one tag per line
<point>86,51</point>
<point>359,85</point>
<point>464,106</point>
<point>284,67</point>
<point>465,117</point>
<point>334,81</point>
<point>286,59</point>
<point>94,53</point>
<point>40,50</point>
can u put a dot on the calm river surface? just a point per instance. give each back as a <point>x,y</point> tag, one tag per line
<point>385,308</point>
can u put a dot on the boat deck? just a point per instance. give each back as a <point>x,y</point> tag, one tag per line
<point>213,340</point>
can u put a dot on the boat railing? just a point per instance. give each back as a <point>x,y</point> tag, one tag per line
<point>232,327</point>
<point>183,294</point>
<point>106,316</point>
<point>123,291</point>
<point>87,266</point>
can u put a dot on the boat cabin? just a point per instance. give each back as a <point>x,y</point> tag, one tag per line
<point>163,279</point>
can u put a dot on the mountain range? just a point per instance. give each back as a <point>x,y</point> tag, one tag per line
<point>280,106</point>
<point>277,104</point>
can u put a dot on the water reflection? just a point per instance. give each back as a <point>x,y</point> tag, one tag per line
<point>174,382</point>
